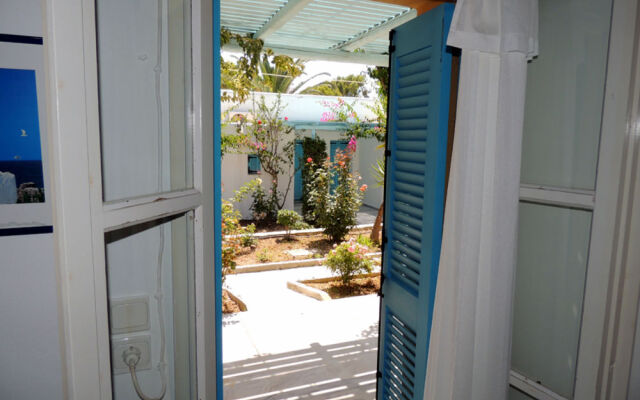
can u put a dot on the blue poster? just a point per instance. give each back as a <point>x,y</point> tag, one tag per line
<point>21,176</point>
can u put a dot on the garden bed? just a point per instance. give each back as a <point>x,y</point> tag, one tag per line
<point>332,288</point>
<point>275,249</point>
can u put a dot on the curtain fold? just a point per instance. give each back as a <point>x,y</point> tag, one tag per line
<point>469,351</point>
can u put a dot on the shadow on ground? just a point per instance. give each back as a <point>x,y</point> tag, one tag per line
<point>338,371</point>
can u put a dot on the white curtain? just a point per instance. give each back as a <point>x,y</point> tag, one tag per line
<point>469,352</point>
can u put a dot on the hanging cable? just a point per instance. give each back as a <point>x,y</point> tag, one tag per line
<point>132,355</point>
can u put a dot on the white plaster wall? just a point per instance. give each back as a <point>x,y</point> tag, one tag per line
<point>21,17</point>
<point>367,153</point>
<point>30,356</point>
<point>30,348</point>
<point>132,265</point>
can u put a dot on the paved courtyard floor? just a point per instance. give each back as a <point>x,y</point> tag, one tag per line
<point>289,346</point>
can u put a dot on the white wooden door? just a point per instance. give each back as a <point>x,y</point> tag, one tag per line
<point>131,127</point>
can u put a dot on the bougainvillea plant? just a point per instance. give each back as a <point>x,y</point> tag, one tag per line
<point>335,208</point>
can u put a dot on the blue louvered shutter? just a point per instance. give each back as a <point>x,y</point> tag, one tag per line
<point>420,78</point>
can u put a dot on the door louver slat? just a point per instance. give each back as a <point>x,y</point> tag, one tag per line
<point>420,75</point>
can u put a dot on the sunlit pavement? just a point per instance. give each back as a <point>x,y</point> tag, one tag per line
<point>289,346</point>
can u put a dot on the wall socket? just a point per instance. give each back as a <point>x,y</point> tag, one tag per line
<point>118,346</point>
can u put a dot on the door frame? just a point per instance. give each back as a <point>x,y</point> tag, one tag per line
<point>80,217</point>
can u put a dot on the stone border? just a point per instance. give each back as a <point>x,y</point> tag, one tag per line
<point>241,304</point>
<point>278,265</point>
<point>300,287</point>
<point>300,232</point>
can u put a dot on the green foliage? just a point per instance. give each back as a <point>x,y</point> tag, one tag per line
<point>378,172</point>
<point>365,241</point>
<point>348,259</point>
<point>247,237</point>
<point>347,86</point>
<point>239,76</point>
<point>277,77</point>
<point>381,75</point>
<point>234,235</point>
<point>314,151</point>
<point>336,210</point>
<point>265,207</point>
<point>264,256</point>
<point>290,220</point>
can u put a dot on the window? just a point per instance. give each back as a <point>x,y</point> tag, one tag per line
<point>253,164</point>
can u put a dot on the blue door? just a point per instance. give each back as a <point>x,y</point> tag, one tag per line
<point>420,78</point>
<point>336,145</point>
<point>297,178</point>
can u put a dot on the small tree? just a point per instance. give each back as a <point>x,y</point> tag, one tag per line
<point>273,141</point>
<point>336,210</point>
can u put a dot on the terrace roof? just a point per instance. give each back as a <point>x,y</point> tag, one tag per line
<point>335,30</point>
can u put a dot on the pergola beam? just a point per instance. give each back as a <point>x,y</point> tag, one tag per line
<point>376,32</point>
<point>381,60</point>
<point>281,17</point>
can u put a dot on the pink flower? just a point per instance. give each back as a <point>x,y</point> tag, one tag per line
<point>309,159</point>
<point>286,118</point>
<point>352,144</point>
<point>259,122</point>
<point>327,116</point>
<point>351,249</point>
<point>363,188</point>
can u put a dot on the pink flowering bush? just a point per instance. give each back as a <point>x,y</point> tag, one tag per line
<point>349,259</point>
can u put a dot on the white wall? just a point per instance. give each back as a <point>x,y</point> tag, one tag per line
<point>30,357</point>
<point>21,17</point>
<point>368,153</point>
<point>634,381</point>
<point>30,350</point>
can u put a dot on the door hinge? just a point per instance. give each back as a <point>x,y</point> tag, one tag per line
<point>378,374</point>
<point>387,153</point>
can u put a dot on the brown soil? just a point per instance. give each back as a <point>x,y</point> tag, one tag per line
<point>274,249</point>
<point>357,287</point>
<point>228,305</point>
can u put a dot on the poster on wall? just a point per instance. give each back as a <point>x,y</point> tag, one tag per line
<point>24,182</point>
<point>21,176</point>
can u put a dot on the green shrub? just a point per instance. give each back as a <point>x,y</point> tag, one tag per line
<point>365,241</point>
<point>348,259</point>
<point>290,220</point>
<point>247,237</point>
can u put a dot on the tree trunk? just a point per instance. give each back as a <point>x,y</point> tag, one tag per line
<point>376,232</point>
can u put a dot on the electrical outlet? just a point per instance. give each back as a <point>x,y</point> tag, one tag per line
<point>119,346</point>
